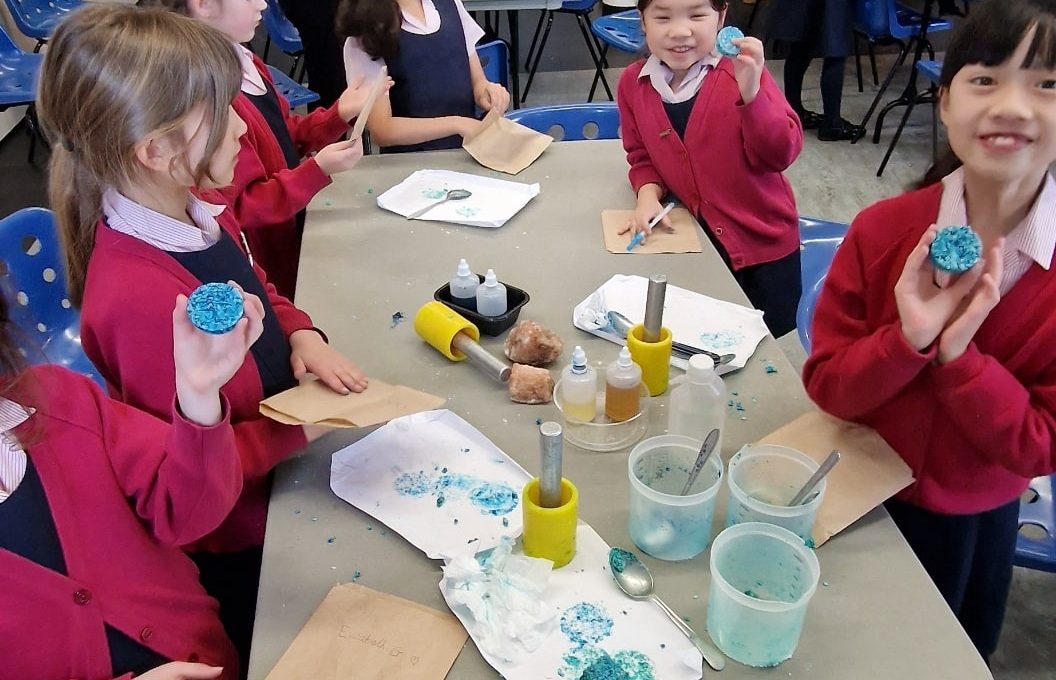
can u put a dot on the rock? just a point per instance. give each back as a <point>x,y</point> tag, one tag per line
<point>530,385</point>
<point>529,343</point>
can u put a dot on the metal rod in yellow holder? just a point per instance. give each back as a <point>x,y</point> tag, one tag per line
<point>649,342</point>
<point>550,504</point>
<point>456,338</point>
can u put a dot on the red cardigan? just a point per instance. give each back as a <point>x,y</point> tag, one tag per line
<point>125,490</point>
<point>265,196</point>
<point>973,430</point>
<point>126,330</point>
<point>728,169</point>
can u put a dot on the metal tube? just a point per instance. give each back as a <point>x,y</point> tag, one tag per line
<point>654,308</point>
<point>494,367</point>
<point>550,465</point>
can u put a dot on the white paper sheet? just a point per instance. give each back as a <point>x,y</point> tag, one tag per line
<point>635,634</point>
<point>435,480</point>
<point>493,203</point>
<point>693,319</point>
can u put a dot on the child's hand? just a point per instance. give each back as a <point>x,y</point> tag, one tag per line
<point>748,67</point>
<point>984,297</point>
<point>466,127</point>
<point>647,208</point>
<point>339,156</point>
<point>354,98</point>
<point>204,362</point>
<point>179,670</point>
<point>493,96</point>
<point>923,307</point>
<point>312,355</point>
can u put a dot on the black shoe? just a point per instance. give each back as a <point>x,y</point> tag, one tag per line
<point>809,119</point>
<point>844,132</point>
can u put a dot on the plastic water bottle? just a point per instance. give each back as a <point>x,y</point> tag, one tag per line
<point>579,389</point>
<point>698,403</point>
<point>491,296</point>
<point>464,285</point>
<point>623,388</point>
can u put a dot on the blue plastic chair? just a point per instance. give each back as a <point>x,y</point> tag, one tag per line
<point>581,10</point>
<point>819,240</point>
<point>1037,514</point>
<point>295,93</point>
<point>37,19</point>
<point>18,82</point>
<point>572,122</point>
<point>495,60</point>
<point>932,71</point>
<point>34,281</point>
<point>284,34</point>
<point>622,30</point>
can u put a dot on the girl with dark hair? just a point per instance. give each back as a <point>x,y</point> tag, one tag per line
<point>960,379</point>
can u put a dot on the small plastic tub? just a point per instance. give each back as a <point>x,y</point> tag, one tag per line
<point>662,522</point>
<point>762,579</point>
<point>488,325</point>
<point>763,478</point>
<point>602,434</point>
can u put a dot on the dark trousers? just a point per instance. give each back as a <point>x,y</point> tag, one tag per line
<point>969,557</point>
<point>323,58</point>
<point>232,579</point>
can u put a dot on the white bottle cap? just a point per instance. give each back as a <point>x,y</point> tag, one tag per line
<point>624,360</point>
<point>699,366</point>
<point>463,268</point>
<point>579,360</point>
<point>490,280</point>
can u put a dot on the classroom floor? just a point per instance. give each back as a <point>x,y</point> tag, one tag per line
<point>831,180</point>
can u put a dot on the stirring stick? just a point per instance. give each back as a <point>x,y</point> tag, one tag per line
<point>550,465</point>
<point>702,458</point>
<point>816,478</point>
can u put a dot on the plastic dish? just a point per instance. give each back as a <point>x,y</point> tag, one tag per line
<point>488,325</point>
<point>601,434</point>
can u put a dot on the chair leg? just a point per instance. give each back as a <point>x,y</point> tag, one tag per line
<point>858,62</point>
<point>883,88</point>
<point>599,60</point>
<point>538,56</point>
<point>535,39</point>
<point>267,46</point>
<point>894,140</point>
<point>598,74</point>
<point>894,103</point>
<point>931,50</point>
<point>872,63</point>
<point>296,63</point>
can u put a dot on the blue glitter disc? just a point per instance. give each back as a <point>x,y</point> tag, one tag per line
<point>215,307</point>
<point>724,41</point>
<point>956,249</point>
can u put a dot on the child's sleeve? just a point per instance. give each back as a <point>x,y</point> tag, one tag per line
<point>311,131</point>
<point>853,369</point>
<point>773,136</point>
<point>1012,424</point>
<point>642,170</point>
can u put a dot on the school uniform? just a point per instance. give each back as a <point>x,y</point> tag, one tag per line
<point>723,160</point>
<point>140,262</point>
<point>96,499</point>
<point>431,70</point>
<point>272,186</point>
<point>824,24</point>
<point>974,431</point>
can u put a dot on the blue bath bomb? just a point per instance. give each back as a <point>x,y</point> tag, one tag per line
<point>956,249</point>
<point>215,307</point>
<point>724,41</point>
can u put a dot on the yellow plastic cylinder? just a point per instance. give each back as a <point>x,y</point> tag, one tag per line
<point>653,357</point>
<point>550,533</point>
<point>438,325</point>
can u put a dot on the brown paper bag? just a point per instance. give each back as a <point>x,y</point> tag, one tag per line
<point>361,634</point>
<point>504,145</point>
<point>315,403</point>
<point>869,471</point>
<point>685,238</point>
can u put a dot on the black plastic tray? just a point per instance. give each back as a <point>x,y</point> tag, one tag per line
<point>488,325</point>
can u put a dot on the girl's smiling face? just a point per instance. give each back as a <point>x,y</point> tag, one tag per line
<point>681,32</point>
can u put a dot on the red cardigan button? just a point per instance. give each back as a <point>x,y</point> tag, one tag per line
<point>82,596</point>
<point>146,633</point>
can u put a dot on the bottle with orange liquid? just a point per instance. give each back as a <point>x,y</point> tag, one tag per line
<point>623,388</point>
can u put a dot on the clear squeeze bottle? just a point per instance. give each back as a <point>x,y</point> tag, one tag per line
<point>579,388</point>
<point>623,385</point>
<point>491,296</point>
<point>698,403</point>
<point>464,285</point>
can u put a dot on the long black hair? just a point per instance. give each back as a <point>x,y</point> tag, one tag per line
<point>376,23</point>
<point>990,37</point>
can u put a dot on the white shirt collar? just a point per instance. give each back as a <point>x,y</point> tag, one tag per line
<point>12,414</point>
<point>161,231</point>
<point>660,77</point>
<point>252,81</point>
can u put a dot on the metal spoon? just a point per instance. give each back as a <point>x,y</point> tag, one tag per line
<point>702,458</point>
<point>815,479</point>
<point>633,578</point>
<point>622,325</point>
<point>452,195</point>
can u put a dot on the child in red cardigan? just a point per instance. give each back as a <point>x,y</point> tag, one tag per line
<point>960,380</point>
<point>716,133</point>
<point>272,185</point>
<point>135,237</point>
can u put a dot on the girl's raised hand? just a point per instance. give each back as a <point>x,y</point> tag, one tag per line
<point>312,355</point>
<point>179,670</point>
<point>205,362</point>
<point>493,96</point>
<point>984,297</point>
<point>354,98</point>
<point>923,308</point>
<point>339,156</point>
<point>748,67</point>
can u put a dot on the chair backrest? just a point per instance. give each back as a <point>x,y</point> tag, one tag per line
<point>18,73</point>
<point>38,18</point>
<point>571,122</point>
<point>33,279</point>
<point>1036,542</point>
<point>873,17</point>
<point>280,30</point>
<point>495,59</point>
<point>932,70</point>
<point>819,240</point>
<point>622,30</point>
<point>295,93</point>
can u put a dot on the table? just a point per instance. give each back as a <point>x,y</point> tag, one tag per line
<point>879,617</point>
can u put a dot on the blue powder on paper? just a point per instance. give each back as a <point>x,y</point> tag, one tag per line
<point>439,501</point>
<point>494,498</point>
<point>412,484</point>
<point>586,623</point>
<point>721,340</point>
<point>453,484</point>
<point>215,308</point>
<point>593,663</point>
<point>956,249</point>
<point>434,194</point>
<point>620,558</point>
<point>466,211</point>
<point>505,521</point>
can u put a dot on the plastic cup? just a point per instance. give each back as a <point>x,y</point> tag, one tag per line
<point>762,578</point>
<point>763,478</point>
<point>662,522</point>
